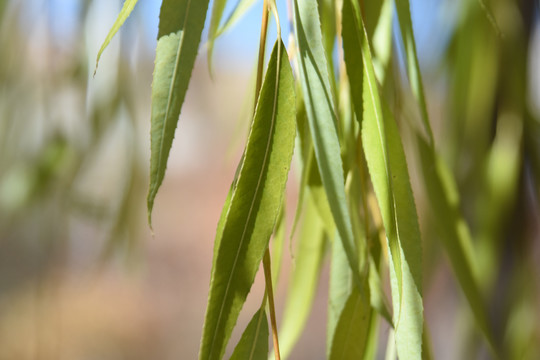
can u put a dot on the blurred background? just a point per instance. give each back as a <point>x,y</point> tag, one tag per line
<point>82,276</point>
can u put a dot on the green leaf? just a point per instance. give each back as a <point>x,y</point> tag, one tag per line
<point>413,68</point>
<point>180,28</point>
<point>339,289</point>
<point>388,171</point>
<point>215,20</point>
<point>242,6</point>
<point>253,344</point>
<point>254,205</point>
<point>322,120</point>
<point>304,280</point>
<point>128,7</point>
<point>452,229</point>
<point>352,330</point>
<point>278,243</point>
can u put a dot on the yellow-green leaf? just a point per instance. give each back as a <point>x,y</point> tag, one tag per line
<point>388,171</point>
<point>322,120</point>
<point>305,277</point>
<point>128,7</point>
<point>413,68</point>
<point>215,20</point>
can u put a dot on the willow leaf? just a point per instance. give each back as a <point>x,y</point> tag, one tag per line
<point>305,277</point>
<point>453,230</point>
<point>338,291</point>
<point>413,68</point>
<point>242,6</point>
<point>322,120</point>
<point>388,171</point>
<point>254,205</point>
<point>253,344</point>
<point>217,13</point>
<point>128,7</point>
<point>278,244</point>
<point>352,330</point>
<point>180,28</point>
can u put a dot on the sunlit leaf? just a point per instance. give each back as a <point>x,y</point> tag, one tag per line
<point>305,277</point>
<point>453,230</point>
<point>322,120</point>
<point>180,28</point>
<point>253,344</point>
<point>413,68</point>
<point>254,205</point>
<point>338,290</point>
<point>128,7</point>
<point>242,6</point>
<point>217,12</point>
<point>352,330</point>
<point>388,171</point>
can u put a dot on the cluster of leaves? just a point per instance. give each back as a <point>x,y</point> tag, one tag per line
<point>356,200</point>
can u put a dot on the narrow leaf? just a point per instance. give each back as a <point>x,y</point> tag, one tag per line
<point>254,205</point>
<point>352,331</point>
<point>454,233</point>
<point>413,68</point>
<point>128,7</point>
<point>338,291</point>
<point>217,12</point>
<point>388,171</point>
<point>253,344</point>
<point>180,28</point>
<point>322,120</point>
<point>304,280</point>
<point>242,6</point>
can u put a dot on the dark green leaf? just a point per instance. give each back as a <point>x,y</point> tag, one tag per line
<point>253,344</point>
<point>180,28</point>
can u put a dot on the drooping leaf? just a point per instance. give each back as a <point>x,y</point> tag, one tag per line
<point>388,171</point>
<point>254,205</point>
<point>180,28</point>
<point>278,244</point>
<point>128,7</point>
<point>304,280</point>
<point>453,230</point>
<point>242,6</point>
<point>339,289</point>
<point>253,344</point>
<point>413,68</point>
<point>217,13</point>
<point>352,330</point>
<point>322,120</point>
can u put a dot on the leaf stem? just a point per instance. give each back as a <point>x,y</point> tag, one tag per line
<point>262,48</point>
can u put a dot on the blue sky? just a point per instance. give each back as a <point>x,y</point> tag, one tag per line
<point>432,19</point>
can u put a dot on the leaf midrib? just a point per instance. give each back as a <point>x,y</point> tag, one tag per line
<point>272,123</point>
<point>171,88</point>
